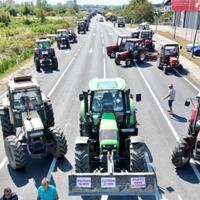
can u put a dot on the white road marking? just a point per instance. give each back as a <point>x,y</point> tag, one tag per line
<point>179,197</point>
<point>60,78</point>
<point>90,51</point>
<point>66,52</point>
<point>52,167</point>
<point>75,54</point>
<point>3,162</point>
<point>190,83</point>
<point>104,68</point>
<point>103,50</point>
<point>167,119</point>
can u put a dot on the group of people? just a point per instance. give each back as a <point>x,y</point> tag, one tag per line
<point>45,192</point>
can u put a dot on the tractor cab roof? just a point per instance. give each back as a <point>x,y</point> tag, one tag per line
<point>43,40</point>
<point>107,84</point>
<point>134,40</point>
<point>61,30</point>
<point>22,82</point>
<point>163,44</point>
<point>198,95</point>
<point>124,36</point>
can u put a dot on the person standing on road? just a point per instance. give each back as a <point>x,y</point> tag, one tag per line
<point>170,96</point>
<point>9,195</point>
<point>47,191</point>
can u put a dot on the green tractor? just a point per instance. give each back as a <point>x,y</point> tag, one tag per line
<point>27,122</point>
<point>108,143</point>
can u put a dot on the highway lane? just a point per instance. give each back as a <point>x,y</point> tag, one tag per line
<point>89,63</point>
<point>160,139</point>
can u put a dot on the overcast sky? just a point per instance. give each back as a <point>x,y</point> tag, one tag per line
<point>99,2</point>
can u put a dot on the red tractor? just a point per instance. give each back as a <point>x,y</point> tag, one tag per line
<point>133,50</point>
<point>118,47</point>
<point>147,36</point>
<point>189,147</point>
<point>169,57</point>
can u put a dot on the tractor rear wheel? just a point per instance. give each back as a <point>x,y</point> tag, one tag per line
<point>58,143</point>
<point>37,64</point>
<point>166,69</point>
<point>55,63</point>
<point>180,68</point>
<point>181,155</point>
<point>14,152</point>
<point>82,160</point>
<point>137,157</point>
<point>49,115</point>
<point>7,128</point>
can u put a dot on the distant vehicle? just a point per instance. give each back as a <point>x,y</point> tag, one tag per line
<point>189,47</point>
<point>143,26</point>
<point>62,39</point>
<point>196,51</point>
<point>81,27</point>
<point>147,36</point>
<point>101,19</point>
<point>121,22</point>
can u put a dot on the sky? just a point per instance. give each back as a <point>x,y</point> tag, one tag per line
<point>99,2</point>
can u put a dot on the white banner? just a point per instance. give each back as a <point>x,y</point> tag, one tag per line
<point>83,182</point>
<point>109,182</point>
<point>138,182</point>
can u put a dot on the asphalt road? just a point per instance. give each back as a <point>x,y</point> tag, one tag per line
<point>87,59</point>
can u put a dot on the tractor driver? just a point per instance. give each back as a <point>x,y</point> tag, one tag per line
<point>26,103</point>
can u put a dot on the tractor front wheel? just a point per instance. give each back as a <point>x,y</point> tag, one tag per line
<point>141,57</point>
<point>37,64</point>
<point>181,155</point>
<point>112,54</point>
<point>180,68</point>
<point>137,157</point>
<point>14,152</point>
<point>55,63</point>
<point>117,61</point>
<point>57,141</point>
<point>82,160</point>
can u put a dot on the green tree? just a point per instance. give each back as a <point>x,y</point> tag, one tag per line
<point>4,18</point>
<point>41,15</point>
<point>139,11</point>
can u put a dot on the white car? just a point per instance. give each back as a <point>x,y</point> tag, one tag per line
<point>190,46</point>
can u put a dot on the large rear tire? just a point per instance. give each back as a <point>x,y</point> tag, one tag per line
<point>112,54</point>
<point>7,128</point>
<point>82,160</point>
<point>55,63</point>
<point>181,155</point>
<point>137,157</point>
<point>14,152</point>
<point>58,143</point>
<point>117,61</point>
<point>49,115</point>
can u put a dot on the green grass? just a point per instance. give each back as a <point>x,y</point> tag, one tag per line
<point>17,41</point>
<point>183,43</point>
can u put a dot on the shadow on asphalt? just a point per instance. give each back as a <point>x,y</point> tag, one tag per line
<point>143,65</point>
<point>48,69</point>
<point>36,170</point>
<point>188,175</point>
<point>178,118</point>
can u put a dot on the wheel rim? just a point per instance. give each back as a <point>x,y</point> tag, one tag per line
<point>186,156</point>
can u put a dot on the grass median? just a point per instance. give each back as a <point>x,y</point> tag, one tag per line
<point>183,43</point>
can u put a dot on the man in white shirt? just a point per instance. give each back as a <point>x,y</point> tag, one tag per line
<point>170,96</point>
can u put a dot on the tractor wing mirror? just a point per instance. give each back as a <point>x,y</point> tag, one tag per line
<point>81,97</point>
<point>138,97</point>
<point>187,103</point>
<point>180,47</point>
<point>131,96</point>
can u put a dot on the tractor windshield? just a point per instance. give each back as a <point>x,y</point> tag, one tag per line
<point>33,96</point>
<point>111,98</point>
<point>171,50</point>
<point>121,42</point>
<point>44,45</point>
<point>146,35</point>
<point>62,33</point>
<point>143,27</point>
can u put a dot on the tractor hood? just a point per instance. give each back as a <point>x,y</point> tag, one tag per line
<point>110,48</point>
<point>32,124</point>
<point>108,133</point>
<point>123,55</point>
<point>173,60</point>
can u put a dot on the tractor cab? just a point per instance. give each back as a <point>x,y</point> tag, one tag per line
<point>109,95</point>
<point>61,32</point>
<point>147,36</point>
<point>169,56</point>
<point>118,47</point>
<point>43,43</point>
<point>143,26</point>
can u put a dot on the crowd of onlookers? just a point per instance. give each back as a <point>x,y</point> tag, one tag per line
<point>45,192</point>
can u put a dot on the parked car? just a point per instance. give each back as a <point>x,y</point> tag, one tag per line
<point>189,47</point>
<point>196,51</point>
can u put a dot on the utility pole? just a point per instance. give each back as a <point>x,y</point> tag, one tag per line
<point>175,24</point>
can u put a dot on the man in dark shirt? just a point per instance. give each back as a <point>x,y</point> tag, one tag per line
<point>8,195</point>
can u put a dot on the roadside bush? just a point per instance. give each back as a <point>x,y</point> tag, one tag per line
<point>4,18</point>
